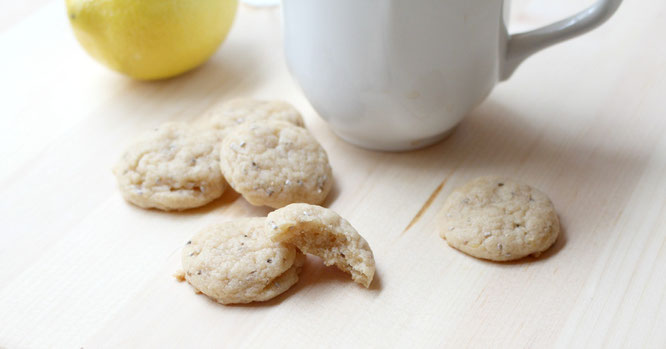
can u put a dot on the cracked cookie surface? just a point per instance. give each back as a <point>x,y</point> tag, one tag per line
<point>322,232</point>
<point>236,262</point>
<point>239,111</point>
<point>172,167</point>
<point>498,219</point>
<point>275,163</point>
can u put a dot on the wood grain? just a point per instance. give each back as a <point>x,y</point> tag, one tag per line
<point>583,122</point>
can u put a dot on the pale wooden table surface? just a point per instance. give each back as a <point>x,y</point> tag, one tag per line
<point>584,121</point>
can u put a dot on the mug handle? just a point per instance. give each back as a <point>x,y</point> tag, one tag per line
<point>522,45</point>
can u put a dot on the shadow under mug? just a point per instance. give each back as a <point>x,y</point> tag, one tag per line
<point>398,75</point>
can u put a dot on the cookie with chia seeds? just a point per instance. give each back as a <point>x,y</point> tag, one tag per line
<point>239,111</point>
<point>498,219</point>
<point>282,283</point>
<point>172,167</point>
<point>322,232</point>
<point>236,262</point>
<point>275,163</point>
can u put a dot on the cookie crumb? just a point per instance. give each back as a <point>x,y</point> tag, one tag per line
<point>179,275</point>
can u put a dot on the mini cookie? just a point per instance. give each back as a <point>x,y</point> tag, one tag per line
<point>322,232</point>
<point>239,111</point>
<point>498,219</point>
<point>173,167</point>
<point>236,262</point>
<point>275,163</point>
<point>282,283</point>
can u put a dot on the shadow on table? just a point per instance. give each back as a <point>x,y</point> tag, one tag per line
<point>496,139</point>
<point>230,73</point>
<point>316,275</point>
<point>579,174</point>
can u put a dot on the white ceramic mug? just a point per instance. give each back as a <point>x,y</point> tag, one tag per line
<point>400,74</point>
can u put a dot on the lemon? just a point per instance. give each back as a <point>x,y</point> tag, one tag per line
<point>151,39</point>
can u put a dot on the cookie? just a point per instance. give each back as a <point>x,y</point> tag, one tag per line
<point>282,283</point>
<point>173,167</point>
<point>498,219</point>
<point>238,111</point>
<point>323,233</point>
<point>275,163</point>
<point>236,262</point>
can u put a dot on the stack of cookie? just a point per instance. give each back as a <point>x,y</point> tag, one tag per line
<point>256,259</point>
<point>259,147</point>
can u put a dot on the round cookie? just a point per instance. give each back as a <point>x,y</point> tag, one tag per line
<point>275,163</point>
<point>239,111</point>
<point>172,167</point>
<point>236,262</point>
<point>283,282</point>
<point>322,232</point>
<point>498,219</point>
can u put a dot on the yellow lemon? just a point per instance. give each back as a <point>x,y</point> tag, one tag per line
<point>151,39</point>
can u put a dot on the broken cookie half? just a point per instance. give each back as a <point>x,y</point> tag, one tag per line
<point>322,232</point>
